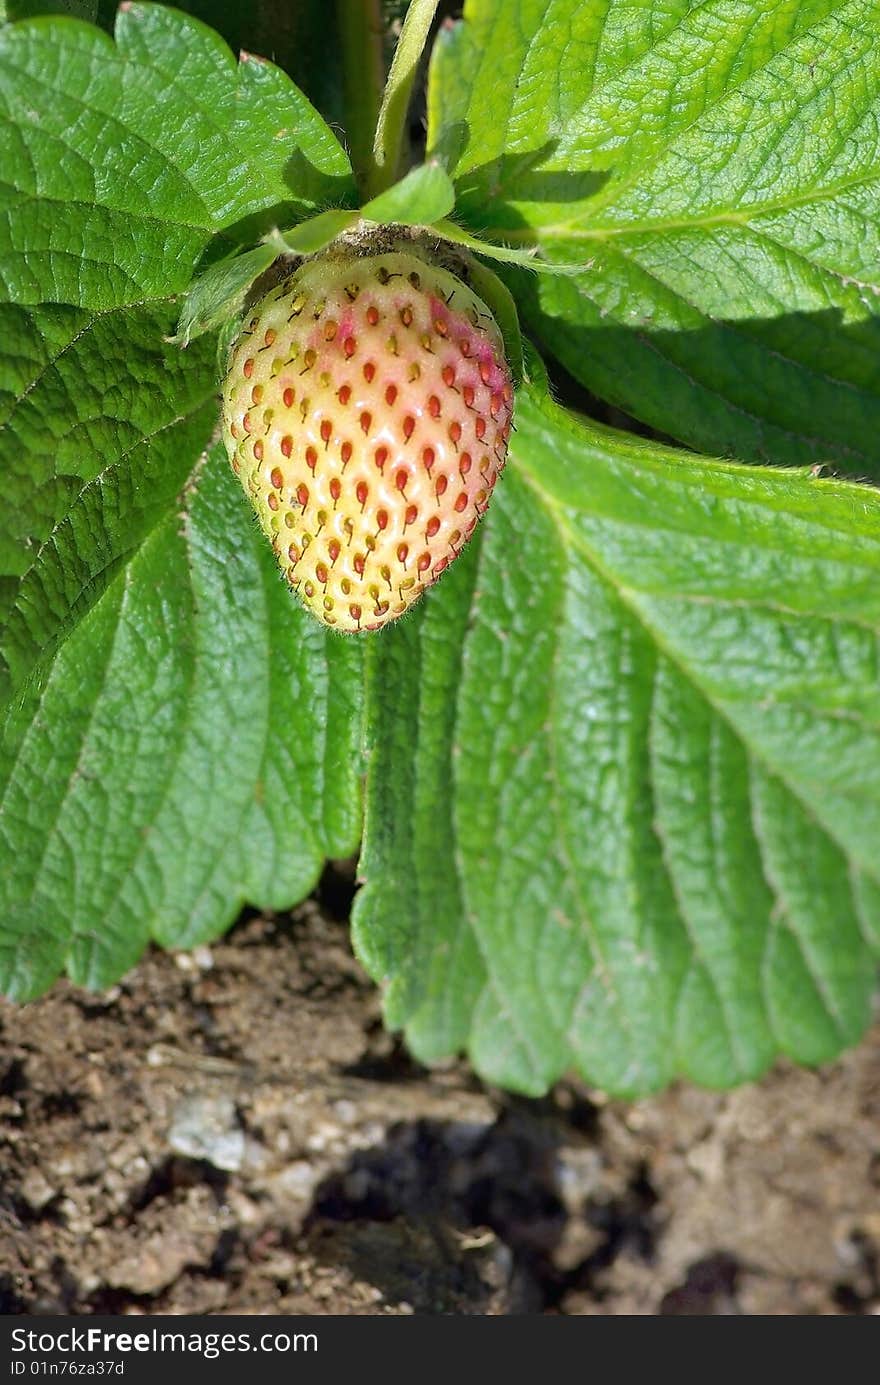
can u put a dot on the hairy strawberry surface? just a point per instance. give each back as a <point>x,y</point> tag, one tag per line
<point>367,410</point>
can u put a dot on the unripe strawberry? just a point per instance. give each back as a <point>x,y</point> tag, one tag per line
<point>366,412</point>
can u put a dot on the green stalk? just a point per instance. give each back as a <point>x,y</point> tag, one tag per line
<point>389,143</point>
<point>361,28</point>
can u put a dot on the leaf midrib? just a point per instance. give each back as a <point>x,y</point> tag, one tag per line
<point>575,230</point>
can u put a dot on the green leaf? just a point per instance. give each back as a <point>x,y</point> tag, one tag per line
<point>395,99</point>
<point>425,195</point>
<point>92,457</point>
<point>714,168</point>
<point>622,800</point>
<point>219,293</point>
<point>143,151</point>
<point>293,36</point>
<point>101,423</point>
<point>192,745</point>
<point>140,613</point>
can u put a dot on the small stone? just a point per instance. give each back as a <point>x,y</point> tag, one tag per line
<point>36,1190</point>
<point>207,1127</point>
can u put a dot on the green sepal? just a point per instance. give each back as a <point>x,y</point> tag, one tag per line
<point>311,236</point>
<point>499,300</point>
<point>220,292</point>
<point>424,196</point>
<point>448,230</point>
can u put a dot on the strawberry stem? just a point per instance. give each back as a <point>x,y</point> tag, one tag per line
<point>389,142</point>
<point>361,28</point>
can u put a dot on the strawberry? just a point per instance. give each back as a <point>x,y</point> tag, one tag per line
<point>366,412</point>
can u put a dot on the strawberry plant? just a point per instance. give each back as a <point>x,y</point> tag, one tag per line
<point>615,777</point>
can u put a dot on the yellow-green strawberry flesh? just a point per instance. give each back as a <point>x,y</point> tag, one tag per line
<point>366,412</point>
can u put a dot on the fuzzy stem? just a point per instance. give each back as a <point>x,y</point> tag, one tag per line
<point>390,138</point>
<point>361,28</point>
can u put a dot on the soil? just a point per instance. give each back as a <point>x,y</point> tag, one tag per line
<point>232,1131</point>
